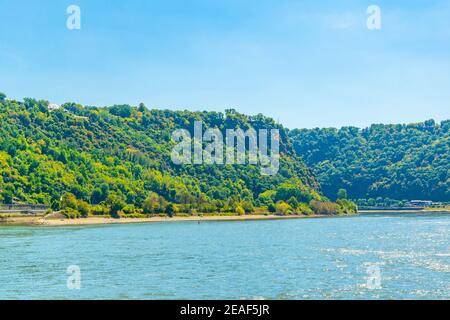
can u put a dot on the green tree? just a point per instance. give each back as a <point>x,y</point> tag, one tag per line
<point>293,202</point>
<point>154,203</point>
<point>171,210</point>
<point>342,194</point>
<point>123,110</point>
<point>68,200</point>
<point>115,203</point>
<point>142,107</point>
<point>83,208</point>
<point>272,208</point>
<point>7,196</point>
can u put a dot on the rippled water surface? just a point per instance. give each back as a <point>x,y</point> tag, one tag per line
<point>331,258</point>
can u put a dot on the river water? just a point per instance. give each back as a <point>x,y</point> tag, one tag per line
<point>371,256</point>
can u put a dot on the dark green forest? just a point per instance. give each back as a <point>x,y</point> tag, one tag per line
<point>403,161</point>
<point>87,160</point>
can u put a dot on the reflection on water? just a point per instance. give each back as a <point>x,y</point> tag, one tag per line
<point>280,259</point>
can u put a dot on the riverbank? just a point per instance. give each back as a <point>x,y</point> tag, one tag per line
<point>405,211</point>
<point>107,220</point>
<point>96,220</point>
<point>23,220</point>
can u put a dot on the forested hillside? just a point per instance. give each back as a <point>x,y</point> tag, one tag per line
<point>390,161</point>
<point>89,160</point>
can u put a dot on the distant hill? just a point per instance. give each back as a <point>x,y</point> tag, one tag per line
<point>391,161</point>
<point>117,158</point>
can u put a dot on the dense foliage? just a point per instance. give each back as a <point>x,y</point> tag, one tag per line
<point>116,160</point>
<point>390,161</point>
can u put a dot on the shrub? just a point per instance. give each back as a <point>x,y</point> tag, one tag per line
<point>283,208</point>
<point>304,209</point>
<point>83,208</point>
<point>71,213</point>
<point>247,206</point>
<point>130,209</point>
<point>136,215</point>
<point>240,211</point>
<point>183,215</point>
<point>347,206</point>
<point>99,210</point>
<point>324,207</point>
<point>154,203</point>
<point>266,197</point>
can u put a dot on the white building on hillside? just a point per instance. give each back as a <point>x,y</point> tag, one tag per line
<point>53,106</point>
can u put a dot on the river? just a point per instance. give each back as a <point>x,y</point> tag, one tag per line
<point>370,256</point>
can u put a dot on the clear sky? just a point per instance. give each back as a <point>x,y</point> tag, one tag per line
<point>305,63</point>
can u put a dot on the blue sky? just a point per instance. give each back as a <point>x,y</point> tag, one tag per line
<point>304,63</point>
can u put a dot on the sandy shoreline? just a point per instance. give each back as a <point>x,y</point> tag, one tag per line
<point>40,220</point>
<point>105,220</point>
